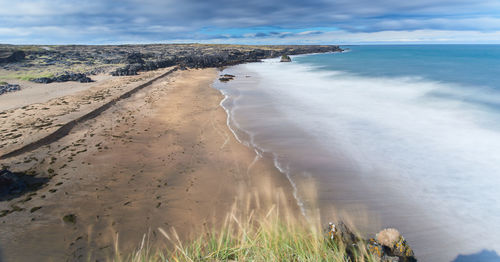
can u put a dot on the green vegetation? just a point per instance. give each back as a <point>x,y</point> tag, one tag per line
<point>26,76</point>
<point>254,236</point>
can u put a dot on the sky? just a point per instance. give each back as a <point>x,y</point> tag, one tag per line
<point>249,21</point>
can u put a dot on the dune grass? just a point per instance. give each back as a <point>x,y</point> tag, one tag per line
<point>255,236</point>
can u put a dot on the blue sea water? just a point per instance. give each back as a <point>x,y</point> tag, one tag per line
<point>476,67</point>
<point>405,135</point>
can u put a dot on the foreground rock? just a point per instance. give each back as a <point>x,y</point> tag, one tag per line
<point>395,245</point>
<point>6,88</point>
<point>77,77</point>
<point>389,245</point>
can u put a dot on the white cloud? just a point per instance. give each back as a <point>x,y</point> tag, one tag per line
<point>416,36</point>
<point>48,7</point>
<point>383,37</point>
<point>166,29</point>
<point>64,21</point>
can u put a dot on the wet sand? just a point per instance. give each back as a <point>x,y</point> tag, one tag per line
<point>161,158</point>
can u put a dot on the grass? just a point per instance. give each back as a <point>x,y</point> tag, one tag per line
<point>254,236</point>
<point>26,76</point>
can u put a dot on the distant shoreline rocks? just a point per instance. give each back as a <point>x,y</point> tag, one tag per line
<point>136,61</point>
<point>126,60</point>
<point>77,77</point>
<point>285,58</point>
<point>226,78</point>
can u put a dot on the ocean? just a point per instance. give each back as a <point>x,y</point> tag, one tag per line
<point>384,136</point>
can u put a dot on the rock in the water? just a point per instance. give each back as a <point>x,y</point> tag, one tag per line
<point>226,78</point>
<point>285,58</point>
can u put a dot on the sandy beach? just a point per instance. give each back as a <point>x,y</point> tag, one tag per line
<point>162,158</point>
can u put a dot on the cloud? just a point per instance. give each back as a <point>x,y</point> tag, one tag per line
<point>107,21</point>
<point>382,37</point>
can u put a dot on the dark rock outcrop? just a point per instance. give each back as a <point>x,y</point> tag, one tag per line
<point>77,77</point>
<point>285,58</point>
<point>135,58</point>
<point>6,88</point>
<point>128,70</point>
<point>345,235</point>
<point>395,245</point>
<point>226,78</point>
<point>69,218</point>
<point>402,250</point>
<point>15,184</point>
<point>12,57</point>
<point>390,246</point>
<point>214,58</point>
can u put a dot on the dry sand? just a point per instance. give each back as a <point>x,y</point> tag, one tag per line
<point>161,158</point>
<point>32,93</point>
<point>30,114</point>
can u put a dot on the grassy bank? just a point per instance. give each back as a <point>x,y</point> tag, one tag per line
<point>252,235</point>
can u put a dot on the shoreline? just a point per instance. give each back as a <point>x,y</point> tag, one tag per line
<point>260,152</point>
<point>123,179</point>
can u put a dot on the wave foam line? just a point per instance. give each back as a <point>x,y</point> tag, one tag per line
<point>258,151</point>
